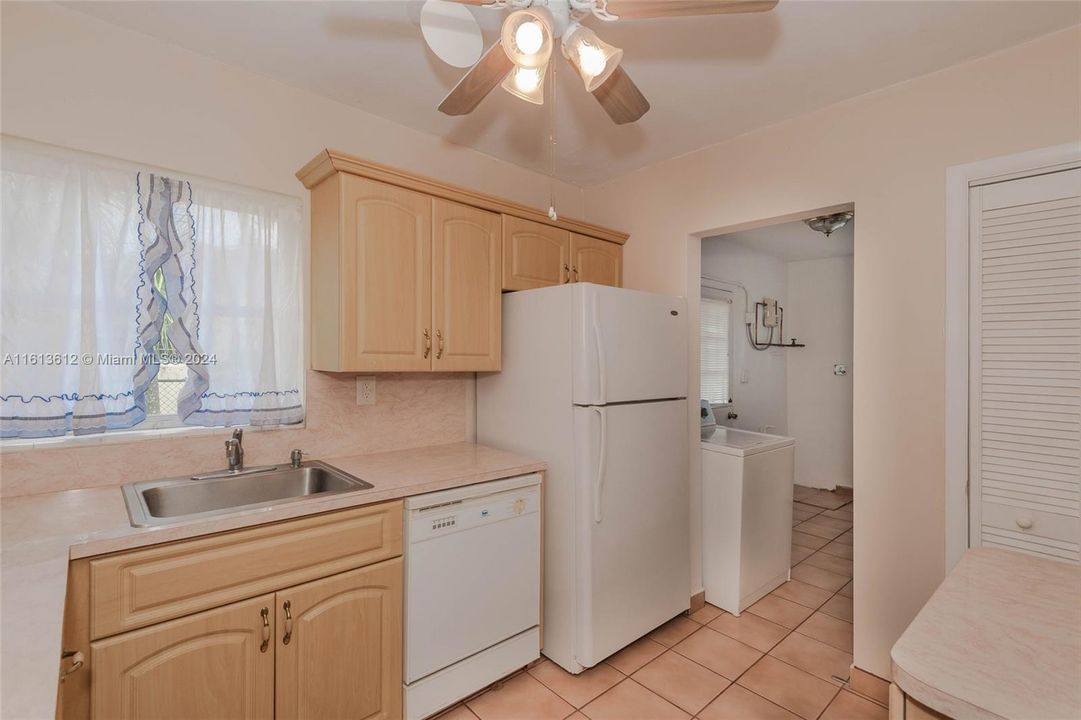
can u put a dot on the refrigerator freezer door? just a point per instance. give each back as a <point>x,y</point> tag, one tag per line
<point>632,518</point>
<point>628,345</point>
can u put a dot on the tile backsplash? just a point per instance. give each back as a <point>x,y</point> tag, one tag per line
<point>412,410</point>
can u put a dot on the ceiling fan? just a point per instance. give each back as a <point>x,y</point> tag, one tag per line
<point>530,33</point>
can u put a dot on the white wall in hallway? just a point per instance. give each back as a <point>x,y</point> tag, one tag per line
<point>819,312</point>
<point>760,401</point>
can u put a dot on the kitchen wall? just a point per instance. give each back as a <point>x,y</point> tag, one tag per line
<point>886,152</point>
<point>72,80</point>
<point>759,379</point>
<point>819,313</point>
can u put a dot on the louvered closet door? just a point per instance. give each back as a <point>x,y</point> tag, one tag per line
<point>1025,414</point>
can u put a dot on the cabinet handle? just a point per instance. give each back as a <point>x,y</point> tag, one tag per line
<point>76,658</point>
<point>575,271</point>
<point>265,614</point>
<point>1024,523</point>
<point>287,606</point>
<point>439,352</point>
<point>427,343</point>
<point>566,274</point>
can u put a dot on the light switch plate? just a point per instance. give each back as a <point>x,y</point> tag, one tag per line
<point>365,390</point>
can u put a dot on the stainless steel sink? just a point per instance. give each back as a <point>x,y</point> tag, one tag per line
<point>157,502</point>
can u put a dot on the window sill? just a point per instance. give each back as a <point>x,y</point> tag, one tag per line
<point>120,437</point>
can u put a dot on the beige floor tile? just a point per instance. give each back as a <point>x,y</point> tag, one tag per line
<point>789,687</point>
<point>796,505</point>
<point>839,607</point>
<point>781,611</point>
<point>799,516</point>
<point>841,566</point>
<point>750,629</point>
<point>579,689</point>
<point>674,630</point>
<point>849,706</point>
<point>738,703</point>
<point>825,499</point>
<point>681,681</point>
<point>718,652</point>
<point>522,697</point>
<point>802,593</point>
<point>810,655</point>
<point>635,655</point>
<point>799,491</point>
<point>631,701</point>
<point>706,614</point>
<point>818,577</point>
<point>839,525</point>
<point>844,513</point>
<point>807,540</point>
<point>845,539</point>
<point>838,549</point>
<point>458,712</point>
<point>800,553</point>
<point>868,685</point>
<point>578,716</point>
<point>829,630</point>
<point>847,590</point>
<point>816,527</point>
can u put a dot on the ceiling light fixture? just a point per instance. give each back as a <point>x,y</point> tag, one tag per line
<point>527,37</point>
<point>526,83</point>
<point>593,58</point>
<point>829,224</point>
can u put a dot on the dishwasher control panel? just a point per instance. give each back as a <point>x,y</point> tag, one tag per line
<point>466,514</point>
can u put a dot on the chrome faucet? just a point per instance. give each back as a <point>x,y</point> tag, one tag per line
<point>234,451</point>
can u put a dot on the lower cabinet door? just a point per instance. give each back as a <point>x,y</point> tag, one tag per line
<point>339,646</point>
<point>210,665</point>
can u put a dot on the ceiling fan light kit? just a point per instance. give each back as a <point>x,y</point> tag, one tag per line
<point>519,61</point>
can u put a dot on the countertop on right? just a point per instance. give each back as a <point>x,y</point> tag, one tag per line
<point>999,639</point>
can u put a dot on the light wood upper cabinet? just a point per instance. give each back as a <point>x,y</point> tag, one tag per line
<point>210,665</point>
<point>534,255</point>
<point>386,267</point>
<point>343,657</point>
<point>466,287</point>
<point>596,261</point>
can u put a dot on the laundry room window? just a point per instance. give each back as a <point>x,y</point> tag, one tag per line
<point>715,321</point>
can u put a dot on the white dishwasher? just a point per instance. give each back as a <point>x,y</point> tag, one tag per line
<point>472,589</point>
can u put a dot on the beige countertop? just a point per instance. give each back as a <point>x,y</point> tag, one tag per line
<point>40,533</point>
<point>999,639</point>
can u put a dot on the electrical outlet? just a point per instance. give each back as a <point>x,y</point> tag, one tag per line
<point>365,390</point>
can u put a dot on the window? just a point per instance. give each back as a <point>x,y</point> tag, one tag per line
<point>715,319</point>
<point>136,299</point>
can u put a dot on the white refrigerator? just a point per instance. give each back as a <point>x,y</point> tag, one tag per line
<point>594,382</point>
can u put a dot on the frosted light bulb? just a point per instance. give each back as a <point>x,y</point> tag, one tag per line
<point>591,59</point>
<point>529,37</point>
<point>527,79</point>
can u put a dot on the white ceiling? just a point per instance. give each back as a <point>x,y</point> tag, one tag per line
<point>707,78</point>
<point>793,241</point>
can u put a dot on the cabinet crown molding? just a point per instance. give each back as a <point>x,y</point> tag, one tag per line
<point>328,162</point>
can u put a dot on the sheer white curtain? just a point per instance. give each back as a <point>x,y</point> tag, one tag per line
<point>82,311</point>
<point>70,276</point>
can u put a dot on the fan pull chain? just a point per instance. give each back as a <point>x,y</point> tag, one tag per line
<point>552,143</point>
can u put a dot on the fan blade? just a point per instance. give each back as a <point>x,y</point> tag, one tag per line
<point>621,98</point>
<point>639,9</point>
<point>478,82</point>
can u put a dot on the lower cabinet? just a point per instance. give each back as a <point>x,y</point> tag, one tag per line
<point>339,650</point>
<point>316,643</point>
<point>217,664</point>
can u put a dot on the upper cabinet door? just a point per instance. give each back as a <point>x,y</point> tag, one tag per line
<point>534,255</point>
<point>210,665</point>
<point>339,646</point>
<point>466,288</point>
<point>596,261</point>
<point>386,270</point>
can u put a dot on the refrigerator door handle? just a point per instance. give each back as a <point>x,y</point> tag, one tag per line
<point>602,360</point>
<point>598,482</point>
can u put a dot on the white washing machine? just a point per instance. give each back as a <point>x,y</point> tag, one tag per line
<point>747,480</point>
